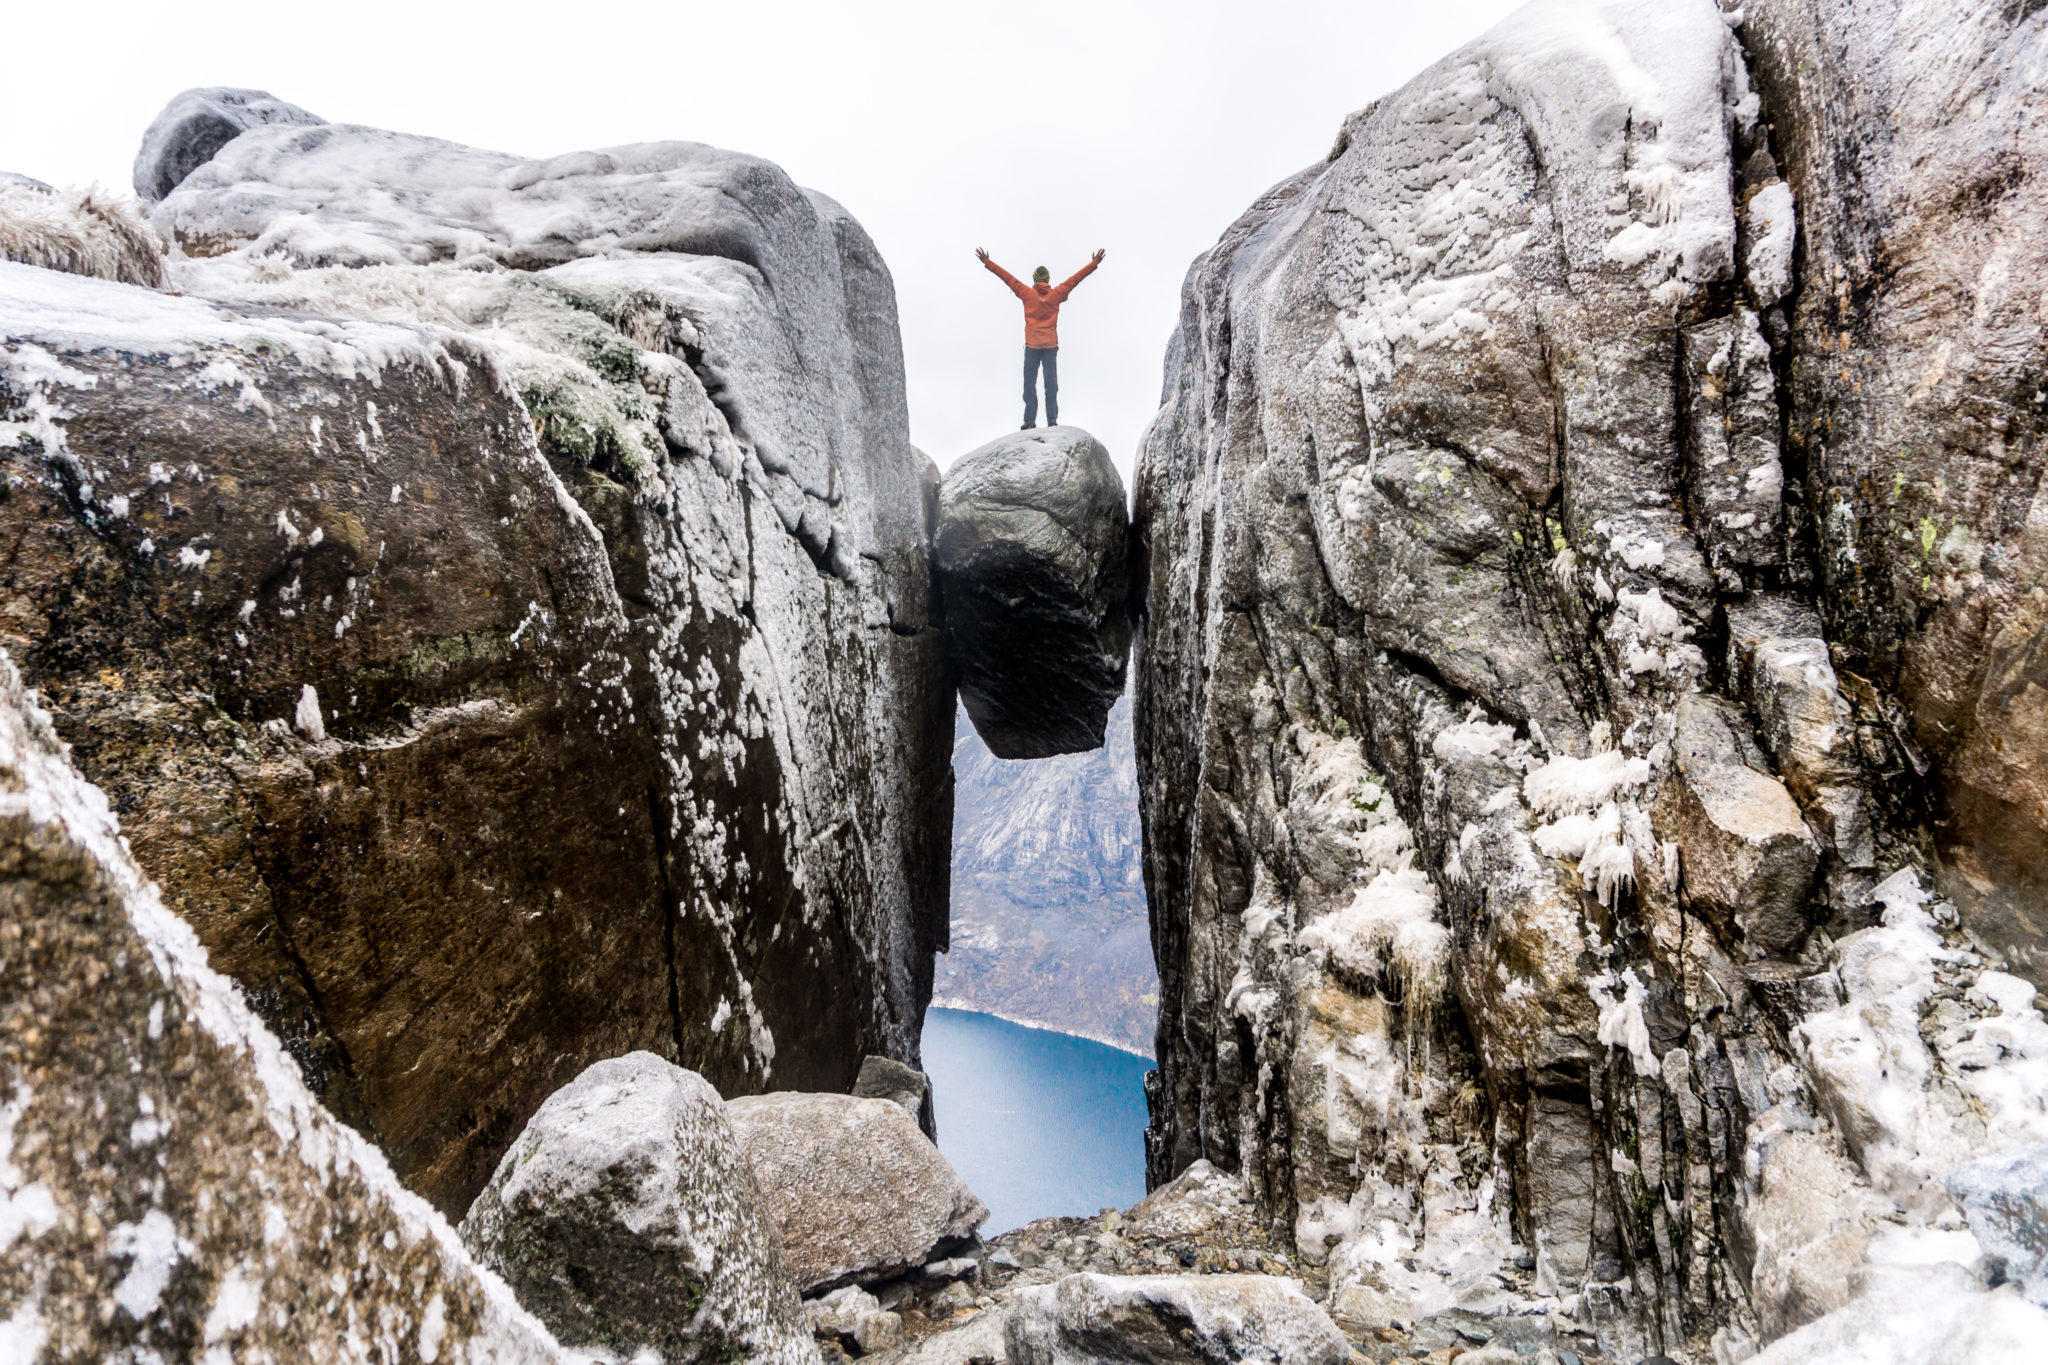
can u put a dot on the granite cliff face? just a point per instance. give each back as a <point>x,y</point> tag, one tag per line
<point>1049,923</point>
<point>1588,688</point>
<point>495,596</point>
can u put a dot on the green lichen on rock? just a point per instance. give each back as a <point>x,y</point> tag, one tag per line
<point>581,376</point>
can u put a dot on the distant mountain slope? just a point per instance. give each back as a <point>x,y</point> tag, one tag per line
<point>1049,920</point>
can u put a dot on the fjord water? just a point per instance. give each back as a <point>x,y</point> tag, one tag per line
<point>1037,1123</point>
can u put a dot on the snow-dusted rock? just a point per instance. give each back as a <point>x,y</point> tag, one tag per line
<point>500,668</point>
<point>857,1191</point>
<point>1192,1203</point>
<point>1748,856</point>
<point>1592,541</point>
<point>168,1187</point>
<point>627,1217</point>
<point>81,232</point>
<point>1172,1320</point>
<point>1030,555</point>
<point>1919,1315</point>
<point>978,1341</point>
<point>855,1318</point>
<point>198,123</point>
<point>2006,1200</point>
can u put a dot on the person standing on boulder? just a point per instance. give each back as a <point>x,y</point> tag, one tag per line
<point>1042,300</point>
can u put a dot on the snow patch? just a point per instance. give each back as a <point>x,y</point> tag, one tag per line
<point>306,719</point>
<point>1621,1020</point>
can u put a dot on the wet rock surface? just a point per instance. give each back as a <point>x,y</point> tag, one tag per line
<point>857,1191</point>
<point>1030,557</point>
<point>169,1184</point>
<point>508,687</point>
<point>1580,717</point>
<point>627,1217</point>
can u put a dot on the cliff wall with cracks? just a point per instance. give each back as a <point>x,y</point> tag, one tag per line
<point>494,594</point>
<point>1587,709</point>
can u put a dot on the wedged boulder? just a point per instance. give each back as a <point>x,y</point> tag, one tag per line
<point>1031,559</point>
<point>1749,858</point>
<point>198,123</point>
<point>626,1217</point>
<point>1172,1320</point>
<point>858,1193</point>
<point>168,1186</point>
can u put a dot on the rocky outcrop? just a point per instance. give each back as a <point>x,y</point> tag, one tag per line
<point>198,123</point>
<point>627,1217</point>
<point>857,1191</point>
<point>1048,899</point>
<point>168,1187</point>
<point>538,672</point>
<point>1030,556</point>
<point>1219,1319</point>
<point>1584,680</point>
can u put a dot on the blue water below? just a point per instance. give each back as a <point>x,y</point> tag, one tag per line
<point>1037,1123</point>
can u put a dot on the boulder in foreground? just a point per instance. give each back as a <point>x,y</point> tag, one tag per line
<point>858,1193</point>
<point>626,1217</point>
<point>1031,557</point>
<point>1170,1319</point>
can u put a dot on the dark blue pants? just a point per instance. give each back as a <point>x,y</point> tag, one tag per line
<point>1049,358</point>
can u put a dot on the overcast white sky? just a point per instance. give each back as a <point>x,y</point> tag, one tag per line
<point>1040,131</point>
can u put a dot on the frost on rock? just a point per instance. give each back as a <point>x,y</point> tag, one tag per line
<point>1559,452</point>
<point>1771,234</point>
<point>80,232</point>
<point>528,581</point>
<point>198,123</point>
<point>220,1202</point>
<point>306,717</point>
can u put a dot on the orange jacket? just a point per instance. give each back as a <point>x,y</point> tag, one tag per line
<point>1041,303</point>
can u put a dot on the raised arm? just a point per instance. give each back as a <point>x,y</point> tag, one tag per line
<point>1067,286</point>
<point>1016,285</point>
